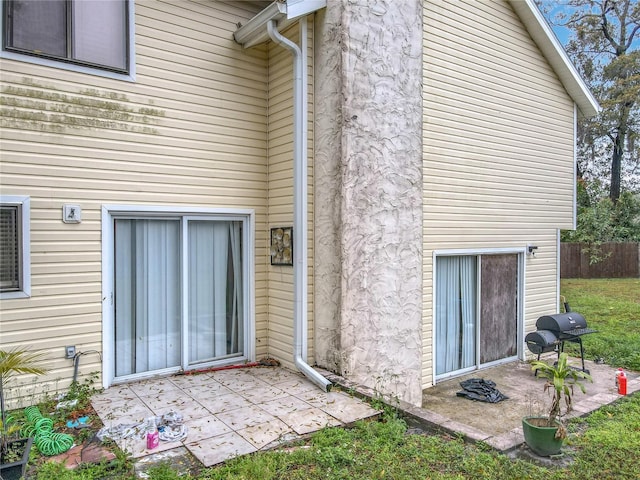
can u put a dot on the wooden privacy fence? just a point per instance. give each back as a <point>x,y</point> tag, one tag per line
<point>619,260</point>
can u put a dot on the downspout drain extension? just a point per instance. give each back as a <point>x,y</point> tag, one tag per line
<point>299,208</point>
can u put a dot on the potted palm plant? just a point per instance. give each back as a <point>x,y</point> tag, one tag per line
<point>14,452</point>
<point>545,434</point>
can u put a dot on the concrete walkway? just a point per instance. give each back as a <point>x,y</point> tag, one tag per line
<point>500,424</point>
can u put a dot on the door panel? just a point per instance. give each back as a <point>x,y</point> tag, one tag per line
<point>215,293</point>
<point>178,282</point>
<point>498,307</point>
<point>456,300</point>
<point>147,295</point>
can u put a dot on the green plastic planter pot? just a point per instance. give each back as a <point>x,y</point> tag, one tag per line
<point>542,440</point>
<point>16,470</point>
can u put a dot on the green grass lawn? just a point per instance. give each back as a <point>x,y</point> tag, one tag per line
<point>606,445</point>
<point>611,306</point>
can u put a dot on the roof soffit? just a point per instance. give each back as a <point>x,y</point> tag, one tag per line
<point>553,51</point>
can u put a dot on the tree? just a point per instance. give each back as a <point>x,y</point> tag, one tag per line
<point>603,221</point>
<point>604,45</point>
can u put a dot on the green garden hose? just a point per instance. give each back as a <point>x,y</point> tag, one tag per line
<point>47,441</point>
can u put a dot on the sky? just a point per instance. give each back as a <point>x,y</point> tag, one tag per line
<point>563,33</point>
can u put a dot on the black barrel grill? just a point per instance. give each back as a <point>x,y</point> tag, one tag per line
<point>553,330</point>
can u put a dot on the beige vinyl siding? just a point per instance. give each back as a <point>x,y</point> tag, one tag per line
<point>190,131</point>
<point>498,148</point>
<point>280,204</point>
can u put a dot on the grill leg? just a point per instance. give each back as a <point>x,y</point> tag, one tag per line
<point>582,354</point>
<point>579,341</point>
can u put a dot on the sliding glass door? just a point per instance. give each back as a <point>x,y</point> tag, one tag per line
<point>179,295</point>
<point>215,291</point>
<point>477,311</point>
<point>456,313</point>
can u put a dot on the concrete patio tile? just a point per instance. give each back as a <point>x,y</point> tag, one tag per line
<point>258,394</point>
<point>587,406</point>
<point>265,433</point>
<point>181,461</point>
<point>113,395</point>
<point>466,430</point>
<point>342,406</point>
<point>171,398</point>
<point>506,441</point>
<point>128,412</point>
<point>318,398</point>
<point>582,407</point>
<point>282,406</point>
<point>298,386</point>
<point>189,410</point>
<point>186,381</point>
<point>605,398</point>
<point>309,420</point>
<point>213,388</point>
<point>274,376</point>
<point>240,418</point>
<point>240,385</point>
<point>428,417</point>
<point>152,387</point>
<point>205,427</point>
<point>222,403</point>
<point>136,446</point>
<point>226,377</point>
<point>214,450</point>
<point>633,386</point>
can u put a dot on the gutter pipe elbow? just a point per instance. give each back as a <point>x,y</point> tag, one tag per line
<point>299,209</point>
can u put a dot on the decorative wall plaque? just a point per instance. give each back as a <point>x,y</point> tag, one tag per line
<point>282,246</point>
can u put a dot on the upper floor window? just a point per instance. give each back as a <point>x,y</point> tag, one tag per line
<point>92,33</point>
<point>15,271</point>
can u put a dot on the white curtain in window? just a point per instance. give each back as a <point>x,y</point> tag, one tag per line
<point>215,293</point>
<point>236,294</point>
<point>468,310</point>
<point>147,295</point>
<point>100,32</point>
<point>456,287</point>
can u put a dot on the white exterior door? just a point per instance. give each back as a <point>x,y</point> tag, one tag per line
<point>179,293</point>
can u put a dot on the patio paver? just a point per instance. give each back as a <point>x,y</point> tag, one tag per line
<point>228,412</point>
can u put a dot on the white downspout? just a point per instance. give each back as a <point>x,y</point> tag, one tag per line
<point>299,209</point>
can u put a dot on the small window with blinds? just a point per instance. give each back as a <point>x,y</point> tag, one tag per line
<point>14,247</point>
<point>89,33</point>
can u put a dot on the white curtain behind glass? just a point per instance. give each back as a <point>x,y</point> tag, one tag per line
<point>235,293</point>
<point>100,32</point>
<point>456,293</point>
<point>215,290</point>
<point>147,295</point>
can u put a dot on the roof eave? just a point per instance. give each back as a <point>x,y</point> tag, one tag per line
<point>254,31</point>
<point>551,48</point>
<point>284,12</point>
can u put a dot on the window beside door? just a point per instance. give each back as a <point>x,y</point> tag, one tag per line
<point>15,268</point>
